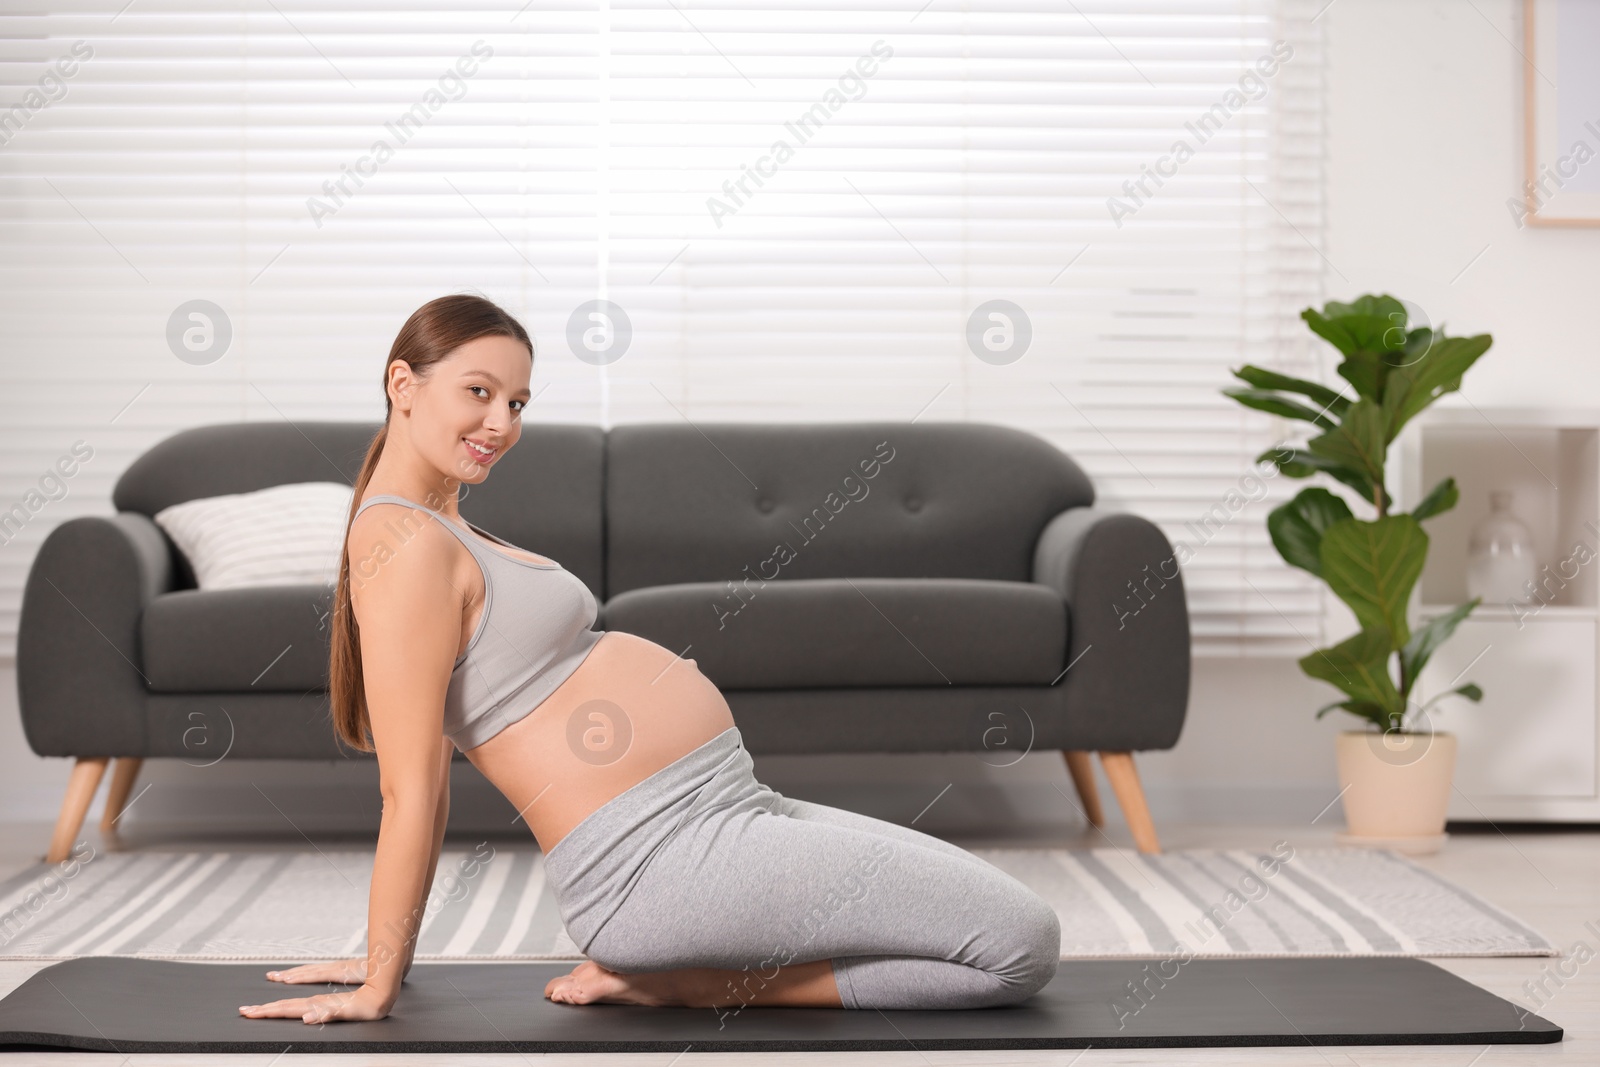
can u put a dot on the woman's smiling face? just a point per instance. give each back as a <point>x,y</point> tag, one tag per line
<point>468,411</point>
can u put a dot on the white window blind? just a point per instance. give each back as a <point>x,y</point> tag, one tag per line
<point>798,209</point>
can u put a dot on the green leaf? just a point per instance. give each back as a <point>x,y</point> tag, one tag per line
<point>1470,691</point>
<point>1298,463</point>
<point>1424,642</point>
<point>1367,331</point>
<point>1418,342</point>
<point>1358,667</point>
<point>1441,497</point>
<point>1329,330</point>
<point>1372,567</point>
<point>1283,459</point>
<point>1367,325</point>
<point>1366,371</point>
<point>1418,382</point>
<point>1297,526</point>
<point>1325,398</point>
<point>1277,404</point>
<point>1383,307</point>
<point>1358,443</point>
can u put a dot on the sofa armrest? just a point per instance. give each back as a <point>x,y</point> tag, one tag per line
<point>80,683</point>
<point>1128,643</point>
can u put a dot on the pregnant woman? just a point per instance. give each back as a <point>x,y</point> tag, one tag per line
<point>683,879</point>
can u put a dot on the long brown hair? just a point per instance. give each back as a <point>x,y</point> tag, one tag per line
<point>433,331</point>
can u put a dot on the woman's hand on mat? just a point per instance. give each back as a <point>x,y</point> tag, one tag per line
<point>358,1005</point>
<point>350,972</point>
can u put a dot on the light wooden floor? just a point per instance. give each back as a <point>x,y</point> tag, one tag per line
<point>1551,880</point>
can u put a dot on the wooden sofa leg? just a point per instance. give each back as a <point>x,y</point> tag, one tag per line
<point>1124,780</point>
<point>81,786</point>
<point>1081,765</point>
<point>123,775</point>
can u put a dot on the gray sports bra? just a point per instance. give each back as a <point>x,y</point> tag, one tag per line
<point>534,632</point>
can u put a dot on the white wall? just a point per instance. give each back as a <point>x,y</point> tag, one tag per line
<point>1424,150</point>
<point>1426,147</point>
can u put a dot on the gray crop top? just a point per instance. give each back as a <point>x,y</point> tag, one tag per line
<point>534,632</point>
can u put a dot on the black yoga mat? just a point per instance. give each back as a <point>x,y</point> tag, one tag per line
<point>126,1005</point>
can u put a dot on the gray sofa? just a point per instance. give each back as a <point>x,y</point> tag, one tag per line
<point>861,587</point>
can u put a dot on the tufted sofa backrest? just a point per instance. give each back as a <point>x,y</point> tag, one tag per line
<point>731,501</point>
<point>659,503</point>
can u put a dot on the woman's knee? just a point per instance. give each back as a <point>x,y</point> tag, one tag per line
<point>1038,947</point>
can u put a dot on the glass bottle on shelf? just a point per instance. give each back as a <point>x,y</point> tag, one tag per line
<point>1500,560</point>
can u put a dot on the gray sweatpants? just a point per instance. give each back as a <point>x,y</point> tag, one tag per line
<point>700,865</point>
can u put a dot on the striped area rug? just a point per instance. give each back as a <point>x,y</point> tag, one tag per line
<point>492,902</point>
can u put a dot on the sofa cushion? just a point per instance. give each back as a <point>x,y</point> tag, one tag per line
<point>289,534</point>
<point>812,633</point>
<point>250,640</point>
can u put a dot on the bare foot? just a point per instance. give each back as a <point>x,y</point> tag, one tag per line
<point>590,983</point>
<point>799,985</point>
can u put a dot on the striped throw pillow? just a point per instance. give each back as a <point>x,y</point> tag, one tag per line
<point>286,535</point>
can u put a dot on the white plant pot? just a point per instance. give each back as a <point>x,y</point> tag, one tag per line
<point>1395,788</point>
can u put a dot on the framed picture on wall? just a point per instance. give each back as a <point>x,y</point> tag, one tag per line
<point>1561,114</point>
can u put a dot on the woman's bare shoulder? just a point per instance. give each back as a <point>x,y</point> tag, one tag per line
<point>395,548</point>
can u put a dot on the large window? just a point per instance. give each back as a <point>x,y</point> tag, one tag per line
<point>1071,217</point>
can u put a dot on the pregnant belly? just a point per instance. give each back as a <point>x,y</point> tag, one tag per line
<point>631,708</point>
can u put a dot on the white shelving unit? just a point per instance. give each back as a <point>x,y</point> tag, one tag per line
<point>1531,749</point>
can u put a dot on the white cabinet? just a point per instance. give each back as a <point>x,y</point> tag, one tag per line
<point>1531,749</point>
<point>1527,751</point>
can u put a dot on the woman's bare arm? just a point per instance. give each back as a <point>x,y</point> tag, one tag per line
<point>354,971</point>
<point>410,614</point>
<point>441,819</point>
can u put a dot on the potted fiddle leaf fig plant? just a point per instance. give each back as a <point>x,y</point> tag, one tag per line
<point>1395,773</point>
